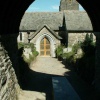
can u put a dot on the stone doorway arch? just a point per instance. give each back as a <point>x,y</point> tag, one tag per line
<point>52,44</point>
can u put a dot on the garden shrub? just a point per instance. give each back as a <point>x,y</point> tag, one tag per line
<point>86,65</point>
<point>59,51</point>
<point>20,45</point>
<point>69,57</point>
<point>35,53</point>
<point>88,46</point>
<point>84,62</point>
<point>26,60</point>
<point>33,49</point>
<point>75,48</point>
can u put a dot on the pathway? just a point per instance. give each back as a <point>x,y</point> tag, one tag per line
<point>49,65</point>
<point>39,80</point>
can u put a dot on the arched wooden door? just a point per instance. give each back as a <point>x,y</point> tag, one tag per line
<point>45,47</point>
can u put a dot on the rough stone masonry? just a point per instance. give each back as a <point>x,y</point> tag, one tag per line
<point>8,82</point>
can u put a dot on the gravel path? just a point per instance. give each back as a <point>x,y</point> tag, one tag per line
<point>40,78</point>
<point>49,65</point>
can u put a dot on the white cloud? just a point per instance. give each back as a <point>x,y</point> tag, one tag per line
<point>56,7</point>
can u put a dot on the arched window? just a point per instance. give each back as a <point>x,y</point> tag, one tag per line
<point>20,36</point>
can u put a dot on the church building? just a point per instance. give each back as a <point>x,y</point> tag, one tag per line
<point>47,30</point>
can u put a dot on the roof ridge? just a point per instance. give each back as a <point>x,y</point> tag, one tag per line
<point>49,28</point>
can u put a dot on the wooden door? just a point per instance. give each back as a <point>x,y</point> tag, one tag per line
<point>45,47</point>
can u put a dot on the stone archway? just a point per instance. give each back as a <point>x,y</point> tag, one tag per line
<point>52,44</point>
<point>13,10</point>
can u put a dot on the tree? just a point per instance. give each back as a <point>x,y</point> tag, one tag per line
<point>87,38</point>
<point>91,37</point>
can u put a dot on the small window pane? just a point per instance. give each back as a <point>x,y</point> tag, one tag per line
<point>42,42</point>
<point>47,52</point>
<point>42,53</point>
<point>47,46</point>
<point>42,46</point>
<point>47,42</point>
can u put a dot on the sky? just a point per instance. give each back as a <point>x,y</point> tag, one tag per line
<point>46,6</point>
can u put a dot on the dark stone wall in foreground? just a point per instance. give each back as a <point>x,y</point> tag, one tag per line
<point>8,82</point>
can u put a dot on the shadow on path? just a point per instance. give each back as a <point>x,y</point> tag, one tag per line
<point>84,90</point>
<point>34,81</point>
<point>41,82</point>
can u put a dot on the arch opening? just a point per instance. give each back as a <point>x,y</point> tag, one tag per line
<point>13,25</point>
<point>47,49</point>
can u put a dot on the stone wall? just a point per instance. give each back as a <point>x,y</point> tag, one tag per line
<point>8,82</point>
<point>24,37</point>
<point>54,41</point>
<point>68,5</point>
<point>77,37</point>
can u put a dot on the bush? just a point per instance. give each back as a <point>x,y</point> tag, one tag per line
<point>33,49</point>
<point>69,57</point>
<point>88,46</point>
<point>35,53</point>
<point>20,45</point>
<point>86,65</point>
<point>25,45</point>
<point>75,48</point>
<point>26,60</point>
<point>31,45</point>
<point>59,51</point>
<point>31,57</point>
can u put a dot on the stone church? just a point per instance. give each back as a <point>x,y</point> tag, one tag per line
<point>47,30</point>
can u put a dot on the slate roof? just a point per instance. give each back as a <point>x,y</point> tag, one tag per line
<point>77,20</point>
<point>52,32</point>
<point>34,20</point>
